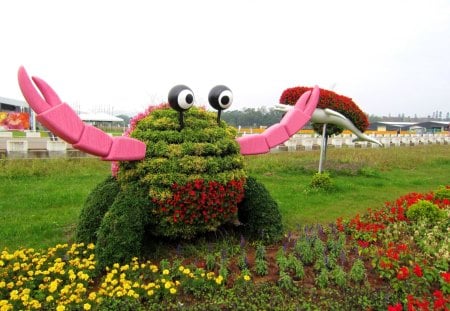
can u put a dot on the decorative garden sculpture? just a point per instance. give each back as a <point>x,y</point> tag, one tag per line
<point>180,171</point>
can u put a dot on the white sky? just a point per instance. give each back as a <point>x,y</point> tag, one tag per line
<point>390,56</point>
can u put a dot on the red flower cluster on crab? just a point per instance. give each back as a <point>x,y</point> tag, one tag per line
<point>200,202</point>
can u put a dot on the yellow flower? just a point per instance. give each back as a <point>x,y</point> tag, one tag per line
<point>87,306</point>
<point>49,299</point>
<point>2,284</point>
<point>166,272</point>
<point>246,277</point>
<point>60,308</point>
<point>150,292</point>
<point>168,285</point>
<point>173,291</point>
<point>187,271</point>
<point>91,246</point>
<point>92,296</point>
<point>181,268</point>
<point>219,280</point>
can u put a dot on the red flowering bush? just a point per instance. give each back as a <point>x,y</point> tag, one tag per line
<point>331,100</point>
<point>411,254</point>
<point>198,207</point>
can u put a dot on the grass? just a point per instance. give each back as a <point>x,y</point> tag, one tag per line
<point>41,199</point>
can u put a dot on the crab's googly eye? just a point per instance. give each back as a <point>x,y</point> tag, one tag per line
<point>181,98</point>
<point>220,97</point>
<point>225,99</point>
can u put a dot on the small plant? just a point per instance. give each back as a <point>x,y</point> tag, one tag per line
<point>425,210</point>
<point>358,271</point>
<point>242,260</point>
<point>339,276</point>
<point>321,182</point>
<point>210,261</point>
<point>304,250</point>
<point>261,267</point>
<point>322,279</point>
<point>285,281</point>
<point>297,266</point>
<point>442,193</point>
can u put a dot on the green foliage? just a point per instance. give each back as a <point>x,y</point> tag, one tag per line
<point>195,176</point>
<point>121,232</point>
<point>357,272</point>
<point>259,212</point>
<point>97,204</point>
<point>323,279</point>
<point>339,276</point>
<point>203,150</point>
<point>304,249</point>
<point>442,193</point>
<point>425,210</point>
<point>321,182</point>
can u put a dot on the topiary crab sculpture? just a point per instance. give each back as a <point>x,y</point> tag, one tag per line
<point>178,172</point>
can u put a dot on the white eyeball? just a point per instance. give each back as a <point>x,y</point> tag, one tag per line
<point>181,98</point>
<point>220,97</point>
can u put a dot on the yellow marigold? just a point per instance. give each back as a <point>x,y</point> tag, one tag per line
<point>92,296</point>
<point>91,246</point>
<point>219,280</point>
<point>2,263</point>
<point>187,271</point>
<point>173,291</point>
<point>2,284</point>
<point>165,272</point>
<point>87,306</point>
<point>180,268</point>
<point>247,278</point>
<point>168,285</point>
<point>60,308</point>
<point>150,292</point>
<point>35,304</point>
<point>49,298</point>
<point>153,268</point>
<point>124,268</point>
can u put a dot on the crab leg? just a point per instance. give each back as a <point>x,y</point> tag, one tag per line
<point>60,119</point>
<point>292,122</point>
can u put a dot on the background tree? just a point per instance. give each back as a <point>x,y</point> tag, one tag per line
<point>331,100</point>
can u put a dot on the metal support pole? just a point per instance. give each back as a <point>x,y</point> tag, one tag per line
<point>323,147</point>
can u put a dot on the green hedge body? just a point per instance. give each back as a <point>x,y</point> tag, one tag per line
<point>192,181</point>
<point>259,212</point>
<point>97,204</point>
<point>177,161</point>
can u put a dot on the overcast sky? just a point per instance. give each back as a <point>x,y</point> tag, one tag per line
<point>389,56</point>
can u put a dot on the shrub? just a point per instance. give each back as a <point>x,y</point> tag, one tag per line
<point>329,99</point>
<point>122,229</point>
<point>321,181</point>
<point>259,212</point>
<point>442,193</point>
<point>97,204</point>
<point>424,210</point>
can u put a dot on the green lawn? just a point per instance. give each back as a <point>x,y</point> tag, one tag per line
<point>41,199</point>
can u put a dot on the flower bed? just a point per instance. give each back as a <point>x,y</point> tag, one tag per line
<point>392,258</point>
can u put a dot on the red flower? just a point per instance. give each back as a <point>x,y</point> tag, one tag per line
<point>363,244</point>
<point>397,307</point>
<point>446,276</point>
<point>439,302</point>
<point>418,270</point>
<point>403,273</point>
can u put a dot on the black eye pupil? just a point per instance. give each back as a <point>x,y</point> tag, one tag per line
<point>224,100</point>
<point>189,98</point>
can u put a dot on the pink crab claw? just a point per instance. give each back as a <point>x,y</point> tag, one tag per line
<point>292,122</point>
<point>59,118</point>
